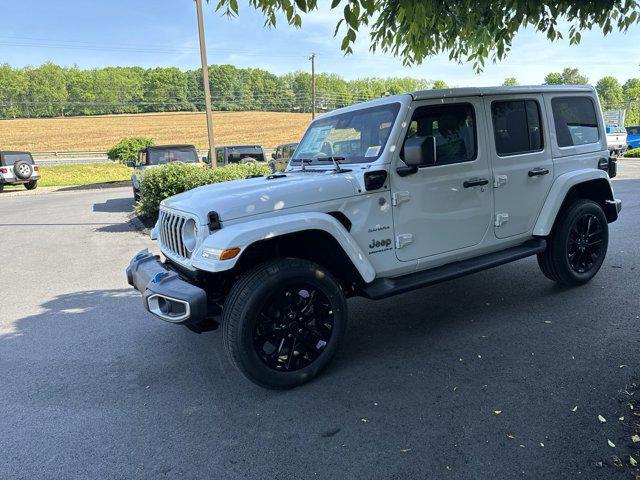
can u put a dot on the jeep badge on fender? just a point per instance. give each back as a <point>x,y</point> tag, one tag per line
<point>490,176</point>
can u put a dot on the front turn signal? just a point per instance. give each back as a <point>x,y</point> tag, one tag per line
<point>229,253</point>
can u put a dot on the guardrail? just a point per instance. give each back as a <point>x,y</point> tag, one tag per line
<point>96,156</point>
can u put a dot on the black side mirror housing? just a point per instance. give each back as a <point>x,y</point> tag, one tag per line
<point>131,164</point>
<point>274,156</point>
<point>420,151</point>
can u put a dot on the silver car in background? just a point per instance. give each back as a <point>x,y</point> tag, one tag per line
<point>616,140</point>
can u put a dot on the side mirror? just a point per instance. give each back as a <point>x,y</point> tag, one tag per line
<point>131,164</point>
<point>207,160</point>
<point>274,156</point>
<point>420,151</point>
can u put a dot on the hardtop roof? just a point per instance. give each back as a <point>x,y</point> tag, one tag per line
<point>482,91</point>
<point>463,92</point>
<point>167,147</point>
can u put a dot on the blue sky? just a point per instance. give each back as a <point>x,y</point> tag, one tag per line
<point>94,33</point>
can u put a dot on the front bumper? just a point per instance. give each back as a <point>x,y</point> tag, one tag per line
<point>165,294</point>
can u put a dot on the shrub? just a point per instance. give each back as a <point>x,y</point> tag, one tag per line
<point>126,150</point>
<point>168,180</point>
<point>633,153</point>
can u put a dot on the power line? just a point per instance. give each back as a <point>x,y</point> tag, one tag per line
<point>95,46</point>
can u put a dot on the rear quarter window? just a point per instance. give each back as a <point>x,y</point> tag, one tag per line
<point>575,120</point>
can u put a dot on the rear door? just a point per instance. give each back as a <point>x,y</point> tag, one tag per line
<point>521,161</point>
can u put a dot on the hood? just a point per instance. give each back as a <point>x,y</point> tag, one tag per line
<point>253,196</point>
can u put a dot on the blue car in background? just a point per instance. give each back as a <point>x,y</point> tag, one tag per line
<point>633,137</point>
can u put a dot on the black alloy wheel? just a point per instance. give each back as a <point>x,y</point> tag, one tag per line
<point>293,328</point>
<point>577,245</point>
<point>283,322</point>
<point>584,243</point>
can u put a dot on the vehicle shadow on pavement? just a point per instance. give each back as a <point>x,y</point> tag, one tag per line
<point>114,205</point>
<point>420,376</point>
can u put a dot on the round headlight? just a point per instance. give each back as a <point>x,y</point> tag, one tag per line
<point>190,235</point>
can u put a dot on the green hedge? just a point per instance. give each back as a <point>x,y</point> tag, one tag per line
<point>126,150</point>
<point>168,180</point>
<point>634,153</point>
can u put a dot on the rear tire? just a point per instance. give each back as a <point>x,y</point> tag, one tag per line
<point>283,322</point>
<point>578,244</point>
<point>31,185</point>
<point>136,195</point>
<point>1,188</point>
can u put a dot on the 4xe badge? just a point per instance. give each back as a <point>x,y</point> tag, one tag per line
<point>377,246</point>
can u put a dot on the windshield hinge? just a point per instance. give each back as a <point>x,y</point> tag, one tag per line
<point>404,239</point>
<point>399,197</point>
<point>501,219</point>
<point>499,180</point>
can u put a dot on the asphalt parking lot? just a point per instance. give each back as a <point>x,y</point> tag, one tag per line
<point>496,375</point>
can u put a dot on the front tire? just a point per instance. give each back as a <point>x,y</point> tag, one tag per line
<point>578,245</point>
<point>31,185</point>
<point>283,322</point>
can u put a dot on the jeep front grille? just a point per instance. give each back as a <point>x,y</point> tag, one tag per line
<point>170,234</point>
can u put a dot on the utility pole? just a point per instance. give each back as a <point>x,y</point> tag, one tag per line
<point>205,82</point>
<point>313,85</point>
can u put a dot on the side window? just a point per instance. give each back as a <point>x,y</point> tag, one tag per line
<point>453,127</point>
<point>576,121</point>
<point>219,156</point>
<point>516,126</point>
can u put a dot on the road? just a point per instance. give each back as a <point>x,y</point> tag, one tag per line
<point>477,378</point>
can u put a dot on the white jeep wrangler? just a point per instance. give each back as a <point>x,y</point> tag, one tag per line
<point>18,168</point>
<point>381,198</point>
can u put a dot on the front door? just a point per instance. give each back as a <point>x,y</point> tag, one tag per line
<point>521,161</point>
<point>446,206</point>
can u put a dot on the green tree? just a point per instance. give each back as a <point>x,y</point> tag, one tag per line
<point>467,30</point>
<point>631,93</point>
<point>568,76</point>
<point>13,89</point>
<point>46,90</point>
<point>510,82</point>
<point>610,93</point>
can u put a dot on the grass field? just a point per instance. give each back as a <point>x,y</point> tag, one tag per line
<point>79,174</point>
<point>102,132</point>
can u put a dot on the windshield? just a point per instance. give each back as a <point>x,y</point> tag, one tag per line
<point>358,136</point>
<point>9,159</point>
<point>160,157</point>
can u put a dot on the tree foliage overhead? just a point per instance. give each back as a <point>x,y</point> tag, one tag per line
<point>466,30</point>
<point>568,76</point>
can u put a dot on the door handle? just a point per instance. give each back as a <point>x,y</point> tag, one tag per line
<point>536,172</point>
<point>475,182</point>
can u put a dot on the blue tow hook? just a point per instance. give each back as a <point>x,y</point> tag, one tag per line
<point>139,256</point>
<point>159,276</point>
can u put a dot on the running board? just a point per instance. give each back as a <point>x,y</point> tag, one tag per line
<point>386,287</point>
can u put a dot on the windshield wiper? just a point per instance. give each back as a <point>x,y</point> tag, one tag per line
<point>336,163</point>
<point>335,159</point>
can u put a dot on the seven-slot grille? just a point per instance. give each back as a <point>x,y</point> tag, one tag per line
<point>170,234</point>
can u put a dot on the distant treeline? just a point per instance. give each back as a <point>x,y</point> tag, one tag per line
<point>51,90</point>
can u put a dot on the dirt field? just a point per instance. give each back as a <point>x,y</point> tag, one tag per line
<point>101,132</point>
